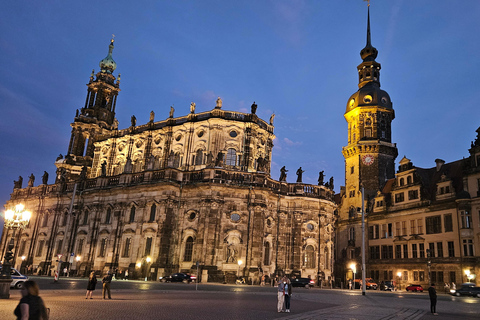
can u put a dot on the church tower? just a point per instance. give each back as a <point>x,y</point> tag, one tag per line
<point>97,117</point>
<point>370,154</point>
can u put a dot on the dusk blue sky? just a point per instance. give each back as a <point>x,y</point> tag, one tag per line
<point>295,58</point>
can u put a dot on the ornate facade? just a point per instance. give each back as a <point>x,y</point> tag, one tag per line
<point>422,225</point>
<point>167,195</point>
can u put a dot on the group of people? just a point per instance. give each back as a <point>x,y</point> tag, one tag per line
<point>284,294</point>
<point>92,283</point>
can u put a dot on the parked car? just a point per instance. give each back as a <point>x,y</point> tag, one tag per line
<point>302,282</point>
<point>370,284</point>
<point>17,278</point>
<point>415,288</point>
<point>467,289</point>
<point>388,285</point>
<point>180,277</point>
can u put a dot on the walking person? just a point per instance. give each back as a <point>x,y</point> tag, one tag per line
<point>106,285</point>
<point>92,283</point>
<point>432,292</point>
<point>31,306</point>
<point>281,295</point>
<point>288,295</point>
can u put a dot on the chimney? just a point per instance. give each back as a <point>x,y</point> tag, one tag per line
<point>439,163</point>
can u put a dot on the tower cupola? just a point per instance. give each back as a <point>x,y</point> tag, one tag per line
<point>107,64</point>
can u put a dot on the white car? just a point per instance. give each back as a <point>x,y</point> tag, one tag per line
<point>17,278</point>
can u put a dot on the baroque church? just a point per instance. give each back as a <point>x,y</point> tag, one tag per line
<point>194,191</point>
<point>181,194</point>
<point>421,225</point>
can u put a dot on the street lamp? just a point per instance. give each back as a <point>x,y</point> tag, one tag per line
<point>15,218</point>
<point>354,270</point>
<point>469,275</point>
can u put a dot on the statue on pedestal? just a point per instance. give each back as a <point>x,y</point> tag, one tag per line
<point>283,174</point>
<point>299,174</point>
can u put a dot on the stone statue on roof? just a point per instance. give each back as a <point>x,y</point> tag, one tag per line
<point>172,110</point>
<point>299,174</point>
<point>254,107</point>
<point>219,103</point>
<point>31,180</point>
<point>283,174</point>
<point>192,107</point>
<point>152,116</point>
<point>271,119</point>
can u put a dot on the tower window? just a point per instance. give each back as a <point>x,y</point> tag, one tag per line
<point>231,157</point>
<point>352,170</point>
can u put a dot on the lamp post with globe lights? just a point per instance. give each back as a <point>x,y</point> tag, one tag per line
<point>15,218</point>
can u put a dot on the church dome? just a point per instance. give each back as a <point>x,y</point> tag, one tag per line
<point>107,64</point>
<point>367,96</point>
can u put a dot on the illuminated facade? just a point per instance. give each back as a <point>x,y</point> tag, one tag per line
<point>422,225</point>
<point>157,198</point>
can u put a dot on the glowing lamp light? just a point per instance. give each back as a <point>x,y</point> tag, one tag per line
<point>353,267</point>
<point>240,262</point>
<point>139,264</point>
<point>23,258</point>
<point>399,274</point>
<point>149,259</point>
<point>78,258</point>
<point>9,215</point>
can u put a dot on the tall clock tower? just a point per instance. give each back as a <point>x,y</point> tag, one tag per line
<point>370,154</point>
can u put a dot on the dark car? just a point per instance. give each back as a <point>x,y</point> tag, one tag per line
<point>415,288</point>
<point>468,289</point>
<point>302,282</point>
<point>180,277</point>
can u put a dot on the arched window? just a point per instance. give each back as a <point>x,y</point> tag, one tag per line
<point>352,212</point>
<point>132,214</point>
<point>409,179</point>
<point>199,157</point>
<point>231,157</point>
<point>153,210</point>
<point>188,249</point>
<point>176,160</point>
<point>327,260</point>
<point>309,257</point>
<point>266,255</point>
<point>402,182</point>
<point>351,234</point>
<point>85,218</point>
<point>126,247</point>
<point>108,216</point>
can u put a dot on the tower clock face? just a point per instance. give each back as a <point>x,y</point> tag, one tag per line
<point>367,159</point>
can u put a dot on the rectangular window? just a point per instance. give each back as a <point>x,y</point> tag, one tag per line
<point>384,231</point>
<point>453,278</point>
<point>148,246</point>
<point>421,275</point>
<point>397,229</point>
<point>447,221</point>
<point>413,227</point>
<point>370,232</point>
<point>421,249</point>
<point>390,230</point>
<point>433,276</point>
<point>103,248</point>
<point>420,226</point>
<point>451,249</point>
<point>434,224</point>
<point>41,244</point>
<point>45,220</point>
<point>85,218</point>
<point>59,246</point>
<point>399,197</point>
<point>414,250</point>
<point>415,275</point>
<point>80,247</point>
<point>440,249</point>
<point>468,247</point>
<point>440,276</point>
<point>376,231</point>
<point>466,219</point>
<point>126,247</point>
<point>405,275</point>
<point>404,228</point>
<point>385,275</point>
<point>412,194</point>
<point>405,251</point>
<point>398,251</point>
<point>22,247</point>
<point>431,250</point>
<point>384,252</point>
<point>352,170</point>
